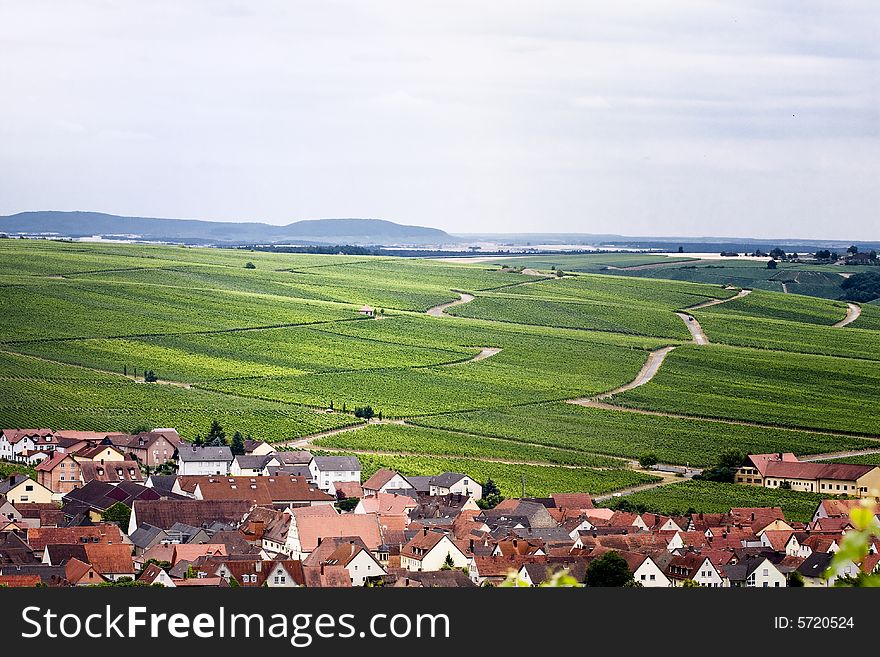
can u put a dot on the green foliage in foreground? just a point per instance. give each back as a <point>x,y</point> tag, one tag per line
<point>408,439</point>
<point>715,497</point>
<point>539,480</point>
<point>634,435</point>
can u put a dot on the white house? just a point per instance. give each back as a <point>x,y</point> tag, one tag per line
<point>428,550</point>
<point>755,573</point>
<point>454,482</point>
<point>646,571</point>
<point>384,480</point>
<point>328,470</point>
<point>194,460</point>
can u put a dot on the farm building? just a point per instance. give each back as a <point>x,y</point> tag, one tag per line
<point>785,470</point>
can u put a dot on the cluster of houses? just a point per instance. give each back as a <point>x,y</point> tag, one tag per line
<point>281,519</point>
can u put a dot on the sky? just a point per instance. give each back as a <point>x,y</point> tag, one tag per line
<point>747,118</point>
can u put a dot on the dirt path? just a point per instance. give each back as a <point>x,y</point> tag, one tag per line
<point>784,288</point>
<point>667,478</point>
<point>714,302</point>
<point>853,310</point>
<point>694,327</point>
<point>648,371</point>
<point>438,311</point>
<point>305,441</point>
<point>772,427</point>
<point>485,352</point>
<point>839,455</point>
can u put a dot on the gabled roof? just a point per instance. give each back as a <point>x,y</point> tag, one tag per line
<point>102,533</point>
<point>111,471</point>
<point>448,479</point>
<point>19,581</point>
<point>49,464</point>
<point>313,527</point>
<point>76,570</point>
<point>816,564</point>
<point>110,559</point>
<point>16,435</point>
<point>263,490</point>
<point>572,500</point>
<point>814,470</point>
<point>381,477</point>
<point>193,454</point>
<point>337,463</point>
<point>337,551</point>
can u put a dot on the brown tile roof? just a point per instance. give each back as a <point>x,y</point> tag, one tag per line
<point>312,527</point>
<point>760,461</point>
<point>389,504</point>
<point>263,490</point>
<point>103,533</point>
<point>49,464</point>
<point>381,477</point>
<point>150,574</point>
<point>111,472</point>
<point>814,470</point>
<point>326,576</point>
<point>76,570</point>
<point>96,450</point>
<point>502,566</point>
<point>336,551</point>
<point>19,581</point>
<point>192,551</point>
<point>833,508</point>
<point>572,500</point>
<point>110,559</point>
<point>778,539</point>
<point>164,513</point>
<point>348,489</point>
<point>16,435</point>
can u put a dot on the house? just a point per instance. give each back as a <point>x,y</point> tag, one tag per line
<point>645,570</point>
<point>149,448</point>
<point>15,441</point>
<point>696,567</point>
<point>384,480</point>
<point>325,576</point>
<point>60,473</point>
<point>111,560</point>
<point>484,570</point>
<point>155,575</point>
<point>20,489</point>
<point>454,482</point>
<point>197,513</point>
<point>387,504</point>
<point>281,492</point>
<point>252,465</point>
<point>814,570</point>
<point>310,525</point>
<point>102,533</point>
<point>327,470</point>
<point>19,581</point>
<point>111,472</point>
<point>351,553</point>
<point>99,454</point>
<point>79,573</point>
<point>367,310</point>
<point>431,550</point>
<point>785,470</point>
<point>256,572</point>
<point>259,447</point>
<point>755,572</point>
<point>835,508</point>
<point>193,460</point>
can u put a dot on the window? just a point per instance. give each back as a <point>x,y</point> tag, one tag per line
<point>653,577</point>
<point>766,572</point>
<point>29,488</point>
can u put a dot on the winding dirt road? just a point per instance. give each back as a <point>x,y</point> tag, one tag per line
<point>853,310</point>
<point>648,371</point>
<point>694,327</point>
<point>715,302</point>
<point>438,311</point>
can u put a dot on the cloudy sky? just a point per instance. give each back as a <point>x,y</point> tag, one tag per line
<point>683,117</point>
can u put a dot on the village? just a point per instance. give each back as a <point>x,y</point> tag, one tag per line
<point>115,509</point>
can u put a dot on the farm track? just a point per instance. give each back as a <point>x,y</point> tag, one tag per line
<point>666,479</point>
<point>648,371</point>
<point>696,331</point>
<point>439,310</point>
<point>853,310</point>
<point>839,455</point>
<point>714,302</point>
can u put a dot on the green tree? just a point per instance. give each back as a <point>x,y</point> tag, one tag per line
<point>250,265</point>
<point>347,504</point>
<point>795,579</point>
<point>150,376</point>
<point>198,441</point>
<point>237,443</point>
<point>610,569</point>
<point>725,469</point>
<point>490,488</point>
<point>448,563</point>
<point>771,264</point>
<point>216,436</point>
<point>648,460</point>
<point>490,501</point>
<point>119,514</point>
<point>853,250</point>
<point>689,584</point>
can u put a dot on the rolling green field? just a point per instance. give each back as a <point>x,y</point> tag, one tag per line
<point>779,388</point>
<point>615,433</point>
<point>539,480</point>
<point>715,497</point>
<point>415,440</point>
<point>267,349</point>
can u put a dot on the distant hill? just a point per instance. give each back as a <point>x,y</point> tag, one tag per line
<point>312,231</point>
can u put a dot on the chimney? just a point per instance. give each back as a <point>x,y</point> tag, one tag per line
<point>425,530</point>
<point>753,515</point>
<point>319,543</point>
<point>472,545</point>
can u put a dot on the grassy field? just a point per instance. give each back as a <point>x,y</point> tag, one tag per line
<point>787,389</point>
<point>7,469</point>
<point>790,307</point>
<point>714,497</point>
<point>780,335</point>
<point>401,439</point>
<point>589,262</point>
<point>539,480</point>
<point>615,433</point>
